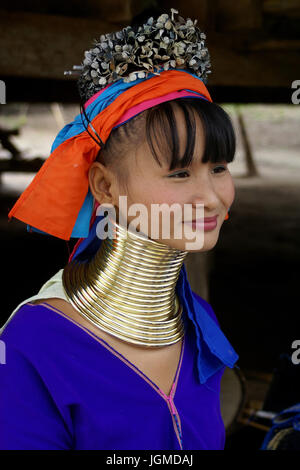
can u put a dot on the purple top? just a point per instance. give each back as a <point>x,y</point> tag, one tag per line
<point>64,388</point>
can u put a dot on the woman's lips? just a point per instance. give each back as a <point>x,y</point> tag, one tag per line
<point>206,224</point>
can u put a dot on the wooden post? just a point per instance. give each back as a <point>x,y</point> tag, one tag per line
<point>251,166</point>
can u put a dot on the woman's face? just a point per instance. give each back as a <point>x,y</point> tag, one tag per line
<point>208,185</point>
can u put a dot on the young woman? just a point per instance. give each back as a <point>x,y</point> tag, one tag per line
<point>115,351</point>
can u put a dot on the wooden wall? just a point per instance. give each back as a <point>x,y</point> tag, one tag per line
<point>253,43</point>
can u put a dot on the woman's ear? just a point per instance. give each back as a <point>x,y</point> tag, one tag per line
<point>101,183</point>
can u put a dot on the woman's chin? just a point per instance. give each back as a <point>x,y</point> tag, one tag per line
<point>193,245</point>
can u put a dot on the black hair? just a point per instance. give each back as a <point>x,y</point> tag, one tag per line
<point>158,125</point>
<point>220,143</point>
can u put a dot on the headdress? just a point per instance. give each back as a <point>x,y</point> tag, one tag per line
<point>162,44</point>
<point>65,172</point>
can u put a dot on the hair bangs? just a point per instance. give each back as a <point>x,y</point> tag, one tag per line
<point>163,139</point>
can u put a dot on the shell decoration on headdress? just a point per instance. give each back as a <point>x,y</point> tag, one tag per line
<point>168,42</point>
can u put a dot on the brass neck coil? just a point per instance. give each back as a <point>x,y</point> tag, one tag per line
<point>128,288</point>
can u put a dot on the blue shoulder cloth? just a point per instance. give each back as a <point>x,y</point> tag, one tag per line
<point>214,349</point>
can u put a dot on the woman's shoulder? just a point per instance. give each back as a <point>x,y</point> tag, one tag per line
<point>32,403</point>
<point>34,327</point>
<point>58,305</point>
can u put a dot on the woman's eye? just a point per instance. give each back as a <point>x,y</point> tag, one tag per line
<point>179,174</point>
<point>219,169</point>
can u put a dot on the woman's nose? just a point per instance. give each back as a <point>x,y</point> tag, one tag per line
<point>205,193</point>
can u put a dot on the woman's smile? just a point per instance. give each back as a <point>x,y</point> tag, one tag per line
<point>207,224</point>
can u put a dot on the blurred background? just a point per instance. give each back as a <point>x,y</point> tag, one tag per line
<point>251,277</point>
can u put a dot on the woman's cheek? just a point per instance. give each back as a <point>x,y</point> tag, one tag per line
<point>226,191</point>
<point>232,191</point>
